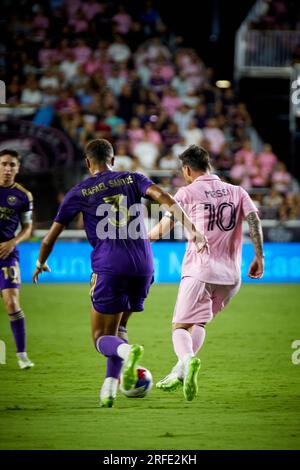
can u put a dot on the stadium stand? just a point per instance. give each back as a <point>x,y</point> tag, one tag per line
<point>114,70</point>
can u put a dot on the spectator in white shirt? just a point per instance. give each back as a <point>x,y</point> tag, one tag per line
<point>193,135</point>
<point>31,95</point>
<point>182,118</point>
<point>118,51</point>
<point>49,80</point>
<point>147,153</point>
<point>69,67</point>
<point>169,162</point>
<point>123,162</point>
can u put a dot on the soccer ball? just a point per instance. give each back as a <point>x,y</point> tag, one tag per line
<point>143,384</point>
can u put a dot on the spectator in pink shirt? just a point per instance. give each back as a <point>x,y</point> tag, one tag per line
<point>63,50</point>
<point>246,153</point>
<point>40,21</point>
<point>281,178</point>
<point>72,7</point>
<point>123,21</point>
<point>170,102</point>
<point>165,69</point>
<point>240,174</point>
<point>92,65</point>
<point>46,53</point>
<point>267,159</point>
<point>79,23</point>
<point>170,135</point>
<point>135,134</point>
<point>259,179</point>
<point>151,134</point>
<point>66,104</point>
<point>215,136</point>
<point>81,52</point>
<point>91,8</point>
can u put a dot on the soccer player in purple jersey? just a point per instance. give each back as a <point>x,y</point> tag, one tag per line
<point>121,259</point>
<point>15,209</point>
<point>208,280</point>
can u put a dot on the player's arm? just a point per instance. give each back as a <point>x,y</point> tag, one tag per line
<point>163,198</point>
<point>256,268</point>
<point>164,226</point>
<point>45,250</point>
<point>7,247</point>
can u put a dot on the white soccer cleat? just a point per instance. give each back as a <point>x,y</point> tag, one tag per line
<point>173,380</point>
<point>24,361</point>
<point>169,383</point>
<point>108,392</point>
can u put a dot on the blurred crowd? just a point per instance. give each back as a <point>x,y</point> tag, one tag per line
<point>280,15</point>
<point>113,70</point>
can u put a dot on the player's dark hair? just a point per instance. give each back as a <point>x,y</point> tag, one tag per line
<point>11,153</point>
<point>99,150</point>
<point>197,158</point>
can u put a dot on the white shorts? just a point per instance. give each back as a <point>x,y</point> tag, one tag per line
<point>199,302</point>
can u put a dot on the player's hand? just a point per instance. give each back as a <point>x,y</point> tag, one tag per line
<point>6,248</point>
<point>38,271</point>
<point>256,269</point>
<point>201,242</point>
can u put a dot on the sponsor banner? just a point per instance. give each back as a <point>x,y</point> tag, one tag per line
<point>70,262</point>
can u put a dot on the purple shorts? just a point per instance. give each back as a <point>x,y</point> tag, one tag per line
<point>10,273</point>
<point>115,294</point>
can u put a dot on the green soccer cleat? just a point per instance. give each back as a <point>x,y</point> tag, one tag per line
<point>190,385</point>
<point>170,383</point>
<point>107,402</point>
<point>129,369</point>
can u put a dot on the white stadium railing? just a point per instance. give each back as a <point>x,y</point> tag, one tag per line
<point>263,53</point>
<point>70,234</point>
<point>295,98</point>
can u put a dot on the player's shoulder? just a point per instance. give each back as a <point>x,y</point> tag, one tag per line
<point>183,194</point>
<point>233,188</point>
<point>23,191</point>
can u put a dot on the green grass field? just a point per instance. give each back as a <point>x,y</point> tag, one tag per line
<point>249,389</point>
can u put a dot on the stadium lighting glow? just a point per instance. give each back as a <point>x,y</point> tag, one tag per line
<point>223,84</point>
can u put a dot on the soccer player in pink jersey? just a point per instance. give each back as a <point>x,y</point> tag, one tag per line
<point>209,279</point>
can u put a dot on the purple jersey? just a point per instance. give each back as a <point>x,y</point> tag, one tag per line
<point>15,205</point>
<point>110,205</point>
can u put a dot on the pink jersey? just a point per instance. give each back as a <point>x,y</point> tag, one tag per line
<point>218,209</point>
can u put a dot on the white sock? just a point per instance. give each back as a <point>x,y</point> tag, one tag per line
<point>22,355</point>
<point>110,384</point>
<point>186,358</point>
<point>123,350</point>
<point>179,369</point>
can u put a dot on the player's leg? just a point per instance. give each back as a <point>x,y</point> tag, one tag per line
<point>198,334</point>
<point>109,299</point>
<point>192,311</point>
<point>174,379</point>
<point>10,285</point>
<point>122,330</point>
<point>222,295</point>
<point>137,291</point>
<point>104,330</point>
<point>183,347</point>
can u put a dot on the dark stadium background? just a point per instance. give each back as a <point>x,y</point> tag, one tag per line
<point>249,389</point>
